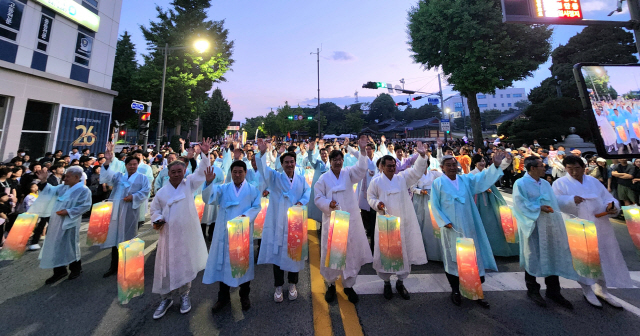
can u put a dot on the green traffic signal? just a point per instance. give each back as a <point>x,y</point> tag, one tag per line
<point>290,117</point>
<point>309,118</point>
<point>381,85</point>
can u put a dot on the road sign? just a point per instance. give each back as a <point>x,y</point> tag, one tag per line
<point>445,125</point>
<point>300,117</point>
<point>433,101</point>
<point>137,106</point>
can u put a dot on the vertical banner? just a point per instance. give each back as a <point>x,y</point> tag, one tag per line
<point>82,128</point>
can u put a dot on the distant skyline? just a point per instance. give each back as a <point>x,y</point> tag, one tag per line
<point>361,41</point>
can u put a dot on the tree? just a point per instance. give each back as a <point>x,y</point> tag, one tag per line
<point>217,115</point>
<point>425,111</point>
<point>189,74</point>
<point>383,107</point>
<point>474,48</point>
<point>125,71</point>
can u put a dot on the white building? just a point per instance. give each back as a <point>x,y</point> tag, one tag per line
<point>502,100</point>
<point>56,66</point>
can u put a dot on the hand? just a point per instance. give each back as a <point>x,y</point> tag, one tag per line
<point>546,209</point>
<point>181,141</point>
<point>265,193</point>
<point>424,192</point>
<point>383,139</point>
<point>209,174</point>
<point>62,213</point>
<point>498,157</point>
<point>298,203</point>
<point>206,145</point>
<point>42,175</point>
<point>333,204</point>
<point>420,149</point>
<point>578,199</point>
<point>158,224</point>
<point>282,149</point>
<point>449,226</point>
<point>104,187</point>
<point>380,206</point>
<point>346,142</point>
<point>128,198</point>
<point>362,142</point>
<point>108,153</point>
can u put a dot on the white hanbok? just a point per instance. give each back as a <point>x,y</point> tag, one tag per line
<point>421,206</point>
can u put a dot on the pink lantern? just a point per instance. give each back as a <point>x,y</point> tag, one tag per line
<point>16,242</point>
<point>470,284</point>
<point>130,269</point>
<point>390,242</point>
<point>295,232</point>
<point>258,224</point>
<point>99,223</point>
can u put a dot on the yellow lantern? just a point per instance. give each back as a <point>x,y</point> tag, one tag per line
<point>130,269</point>
<point>305,233</point>
<point>99,223</point>
<point>632,217</point>
<point>258,224</point>
<point>336,257</point>
<point>199,206</point>
<point>622,133</point>
<point>470,284</point>
<point>434,224</point>
<point>16,242</point>
<point>583,243</point>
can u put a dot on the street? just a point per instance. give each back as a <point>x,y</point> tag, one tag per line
<point>89,306</point>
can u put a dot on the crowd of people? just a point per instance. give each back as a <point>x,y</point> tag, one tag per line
<point>619,124</point>
<point>441,191</point>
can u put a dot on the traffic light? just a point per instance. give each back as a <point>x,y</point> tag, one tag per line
<point>374,85</point>
<point>290,117</point>
<point>417,97</point>
<point>401,103</point>
<point>143,123</point>
<point>309,118</point>
<point>122,133</point>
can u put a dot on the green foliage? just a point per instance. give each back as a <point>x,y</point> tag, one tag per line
<point>125,71</point>
<point>217,115</point>
<point>175,143</point>
<point>474,48</point>
<point>425,111</point>
<point>383,107</point>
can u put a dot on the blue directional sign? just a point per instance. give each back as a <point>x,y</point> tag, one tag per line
<point>137,106</point>
<point>433,100</point>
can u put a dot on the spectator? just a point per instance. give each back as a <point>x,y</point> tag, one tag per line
<point>85,164</point>
<point>624,176</point>
<point>601,173</point>
<point>5,210</point>
<point>74,162</point>
<point>99,191</point>
<point>29,198</point>
<point>74,154</point>
<point>558,169</point>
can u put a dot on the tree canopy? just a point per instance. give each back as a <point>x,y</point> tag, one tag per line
<point>217,115</point>
<point>124,81</point>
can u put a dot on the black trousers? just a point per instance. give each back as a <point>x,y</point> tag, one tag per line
<point>278,275</point>
<point>454,282</point>
<point>207,233</point>
<point>369,222</point>
<point>552,282</point>
<point>74,267</point>
<point>37,232</point>
<point>114,258</point>
<point>224,295</point>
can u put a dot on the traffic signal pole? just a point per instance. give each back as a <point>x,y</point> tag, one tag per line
<point>441,102</point>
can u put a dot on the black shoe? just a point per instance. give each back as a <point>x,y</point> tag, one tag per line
<point>74,274</point>
<point>330,295</point>
<point>388,293</point>
<point>110,272</point>
<point>219,305</point>
<point>559,299</point>
<point>245,302</point>
<point>456,298</point>
<point>482,303</point>
<point>402,290</point>
<point>352,295</point>
<point>56,277</point>
<point>537,298</point>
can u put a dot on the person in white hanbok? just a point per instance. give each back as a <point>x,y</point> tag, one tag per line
<point>286,190</point>
<point>181,251</point>
<point>606,130</point>
<point>421,195</point>
<point>334,191</point>
<point>130,191</point>
<point>320,165</point>
<point>583,196</point>
<point>367,213</point>
<point>388,193</point>
<point>64,205</point>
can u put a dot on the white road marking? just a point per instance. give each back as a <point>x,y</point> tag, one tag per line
<point>150,248</point>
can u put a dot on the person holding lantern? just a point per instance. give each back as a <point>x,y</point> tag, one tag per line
<point>421,191</point>
<point>544,246</point>
<point>286,190</point>
<point>388,194</point>
<point>453,207</point>
<point>320,165</point>
<point>334,191</point>
<point>130,191</point>
<point>181,251</point>
<point>583,196</point>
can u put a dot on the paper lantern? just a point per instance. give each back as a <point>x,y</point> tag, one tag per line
<point>130,269</point>
<point>470,284</point>
<point>305,233</point>
<point>258,224</point>
<point>390,243</point>
<point>199,206</point>
<point>336,256</point>
<point>239,231</point>
<point>436,228</point>
<point>308,176</point>
<point>636,129</point>
<point>509,224</point>
<point>16,242</point>
<point>355,188</point>
<point>295,232</point>
<point>632,217</point>
<point>622,133</point>
<point>99,223</point>
<point>583,242</point>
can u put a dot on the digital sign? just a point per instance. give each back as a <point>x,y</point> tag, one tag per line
<point>546,12</point>
<point>567,9</point>
<point>74,12</point>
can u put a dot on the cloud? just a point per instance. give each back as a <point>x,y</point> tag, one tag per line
<point>596,5</point>
<point>342,56</point>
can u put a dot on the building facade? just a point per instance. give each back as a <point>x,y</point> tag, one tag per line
<point>502,100</point>
<point>56,66</point>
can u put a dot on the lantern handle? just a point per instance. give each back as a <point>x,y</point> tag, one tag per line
<point>142,233</point>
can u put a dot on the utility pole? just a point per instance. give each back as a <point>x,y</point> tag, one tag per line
<point>318,114</point>
<point>164,77</point>
<point>356,97</point>
<point>441,102</point>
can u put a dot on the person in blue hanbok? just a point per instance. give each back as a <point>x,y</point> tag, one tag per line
<point>488,203</point>
<point>235,199</point>
<point>130,191</point>
<point>367,213</point>
<point>286,190</point>
<point>145,170</point>
<point>544,246</point>
<point>421,191</point>
<point>457,216</point>
<point>64,205</point>
<point>210,213</point>
<point>320,165</point>
<point>620,125</point>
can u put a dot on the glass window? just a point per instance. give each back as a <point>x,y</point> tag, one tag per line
<point>10,18</point>
<point>93,3</point>
<point>509,104</point>
<point>517,95</point>
<point>482,96</point>
<point>502,104</point>
<point>508,95</point>
<point>482,105</point>
<point>84,44</point>
<point>494,96</point>
<point>36,128</point>
<point>495,105</point>
<point>501,96</point>
<point>458,104</point>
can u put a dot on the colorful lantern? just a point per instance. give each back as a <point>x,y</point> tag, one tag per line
<point>583,242</point>
<point>308,176</point>
<point>436,228</point>
<point>199,206</point>
<point>632,216</point>
<point>636,129</point>
<point>258,224</point>
<point>305,237</point>
<point>99,223</point>
<point>390,241</point>
<point>337,239</point>
<point>622,133</point>
<point>509,224</point>
<point>16,242</point>
<point>470,284</point>
<point>295,232</point>
<point>130,269</point>
<point>239,232</point>
<point>355,188</point>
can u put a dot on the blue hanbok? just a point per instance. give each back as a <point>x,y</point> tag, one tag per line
<point>319,168</point>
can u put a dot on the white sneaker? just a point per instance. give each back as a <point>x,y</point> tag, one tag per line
<point>277,296</point>
<point>293,292</point>
<point>606,297</point>
<point>33,247</point>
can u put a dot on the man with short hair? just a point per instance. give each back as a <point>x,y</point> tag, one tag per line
<point>623,174</point>
<point>74,154</point>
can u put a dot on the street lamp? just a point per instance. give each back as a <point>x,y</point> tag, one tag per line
<point>200,46</point>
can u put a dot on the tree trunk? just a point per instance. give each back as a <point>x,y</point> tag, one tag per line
<point>179,128</point>
<point>476,123</point>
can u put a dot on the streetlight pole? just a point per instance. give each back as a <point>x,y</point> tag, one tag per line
<point>464,117</point>
<point>318,114</point>
<point>164,77</point>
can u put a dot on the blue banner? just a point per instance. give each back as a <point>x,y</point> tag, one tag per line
<point>83,129</point>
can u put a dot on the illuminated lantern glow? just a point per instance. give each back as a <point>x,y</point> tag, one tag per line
<point>199,206</point>
<point>308,176</point>
<point>509,224</point>
<point>16,242</point>
<point>239,231</point>
<point>258,224</point>
<point>636,129</point>
<point>305,233</point>
<point>336,257</point>
<point>99,223</point>
<point>583,242</point>
<point>470,284</point>
<point>355,188</point>
<point>622,133</point>
<point>632,217</point>
<point>390,241</point>
<point>295,232</point>
<point>130,269</point>
<point>436,228</point>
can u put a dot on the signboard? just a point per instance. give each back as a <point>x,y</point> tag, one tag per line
<point>11,13</point>
<point>445,125</point>
<point>542,11</point>
<point>82,128</point>
<point>45,28</point>
<point>300,117</point>
<point>233,126</point>
<point>74,12</point>
<point>84,44</point>
<point>137,106</point>
<point>433,101</point>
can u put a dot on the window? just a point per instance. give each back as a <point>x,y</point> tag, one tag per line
<point>458,105</point>
<point>517,95</point>
<point>36,128</point>
<point>501,96</point>
<point>494,96</point>
<point>509,104</point>
<point>502,104</point>
<point>459,108</point>
<point>84,44</point>
<point>495,105</point>
<point>10,18</point>
<point>508,95</point>
<point>93,3</point>
<point>482,96</point>
<point>44,32</point>
<point>4,103</point>
<point>482,105</point>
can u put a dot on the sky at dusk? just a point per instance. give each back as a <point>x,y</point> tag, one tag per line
<point>361,41</point>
